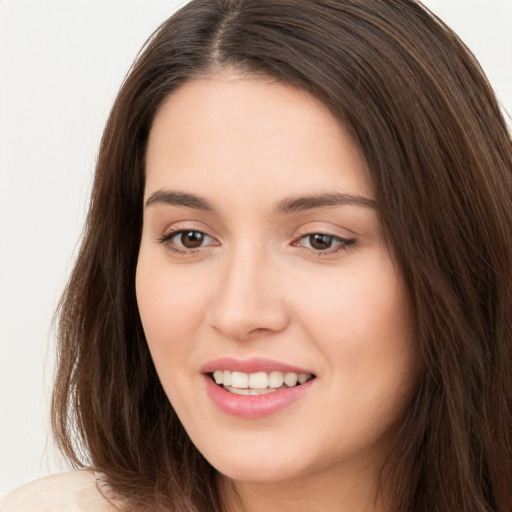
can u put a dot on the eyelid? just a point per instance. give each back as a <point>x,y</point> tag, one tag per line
<point>327,229</point>
<point>342,244</point>
<point>173,231</point>
<point>185,225</point>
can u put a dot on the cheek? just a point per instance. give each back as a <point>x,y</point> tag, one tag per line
<point>364,326</point>
<point>357,305</point>
<point>171,306</point>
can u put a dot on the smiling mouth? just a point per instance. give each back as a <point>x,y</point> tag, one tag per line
<point>259,383</point>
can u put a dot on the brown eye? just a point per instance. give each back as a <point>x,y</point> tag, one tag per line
<point>190,239</point>
<point>320,241</point>
<point>185,241</point>
<point>324,243</point>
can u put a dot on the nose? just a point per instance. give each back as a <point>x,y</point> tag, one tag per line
<point>250,298</point>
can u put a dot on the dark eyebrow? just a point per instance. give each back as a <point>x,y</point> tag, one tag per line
<point>289,205</point>
<point>298,204</point>
<point>179,199</point>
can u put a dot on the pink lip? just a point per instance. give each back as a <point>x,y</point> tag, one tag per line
<point>253,365</point>
<point>254,406</point>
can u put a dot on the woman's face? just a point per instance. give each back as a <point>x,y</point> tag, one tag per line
<point>262,264</point>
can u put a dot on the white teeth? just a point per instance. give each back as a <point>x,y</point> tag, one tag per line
<point>276,379</point>
<point>259,382</point>
<point>240,380</point>
<point>249,391</point>
<point>239,391</point>
<point>290,379</point>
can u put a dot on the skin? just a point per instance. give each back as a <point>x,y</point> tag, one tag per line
<point>256,286</point>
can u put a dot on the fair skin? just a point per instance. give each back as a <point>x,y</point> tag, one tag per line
<point>232,266</point>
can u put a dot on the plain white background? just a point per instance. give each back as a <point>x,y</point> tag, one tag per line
<point>61,64</point>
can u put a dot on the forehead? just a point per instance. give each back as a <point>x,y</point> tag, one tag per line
<point>238,131</point>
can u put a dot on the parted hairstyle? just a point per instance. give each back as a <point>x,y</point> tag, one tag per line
<point>440,160</point>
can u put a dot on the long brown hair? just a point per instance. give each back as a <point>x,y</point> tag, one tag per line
<point>440,158</point>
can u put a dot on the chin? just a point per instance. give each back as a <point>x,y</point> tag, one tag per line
<point>260,473</point>
<point>261,467</point>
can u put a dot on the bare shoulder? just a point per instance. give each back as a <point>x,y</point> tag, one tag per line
<point>73,491</point>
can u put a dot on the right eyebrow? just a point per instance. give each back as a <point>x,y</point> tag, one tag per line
<point>298,204</point>
<point>175,198</point>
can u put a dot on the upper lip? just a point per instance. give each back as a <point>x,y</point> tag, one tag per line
<point>251,365</point>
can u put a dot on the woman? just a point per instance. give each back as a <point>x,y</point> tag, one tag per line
<point>295,287</point>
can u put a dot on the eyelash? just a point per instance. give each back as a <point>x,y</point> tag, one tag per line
<point>168,238</point>
<point>344,243</point>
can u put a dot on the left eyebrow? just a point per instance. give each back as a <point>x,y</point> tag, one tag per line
<point>298,204</point>
<point>175,198</point>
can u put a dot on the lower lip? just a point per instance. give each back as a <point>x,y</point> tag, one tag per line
<point>254,406</point>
